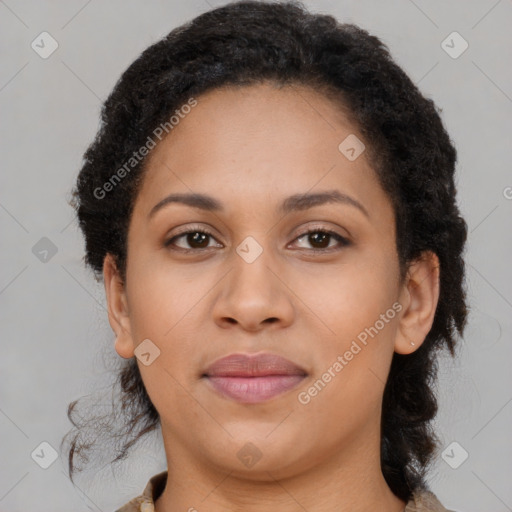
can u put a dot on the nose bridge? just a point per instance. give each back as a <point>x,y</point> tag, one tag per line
<point>252,293</point>
<point>251,274</point>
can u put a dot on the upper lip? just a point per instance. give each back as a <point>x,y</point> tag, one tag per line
<point>253,365</point>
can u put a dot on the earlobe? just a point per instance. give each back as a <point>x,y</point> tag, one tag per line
<point>117,307</point>
<point>419,297</point>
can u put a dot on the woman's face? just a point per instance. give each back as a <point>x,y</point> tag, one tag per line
<point>270,163</point>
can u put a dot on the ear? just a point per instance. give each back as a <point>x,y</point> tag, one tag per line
<point>419,297</point>
<point>117,305</point>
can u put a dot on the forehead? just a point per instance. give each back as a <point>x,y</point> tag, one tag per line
<point>241,119</point>
<point>262,141</point>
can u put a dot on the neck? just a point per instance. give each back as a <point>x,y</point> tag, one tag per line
<point>350,481</point>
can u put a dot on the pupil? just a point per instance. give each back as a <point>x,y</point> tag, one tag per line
<point>198,239</point>
<point>319,238</point>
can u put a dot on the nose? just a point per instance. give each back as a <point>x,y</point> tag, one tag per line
<point>254,296</point>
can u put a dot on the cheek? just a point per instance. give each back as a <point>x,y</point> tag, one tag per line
<point>350,298</point>
<point>161,295</point>
<point>162,301</point>
<point>354,355</point>
<point>357,306</point>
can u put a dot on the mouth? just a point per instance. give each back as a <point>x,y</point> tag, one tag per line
<point>256,378</point>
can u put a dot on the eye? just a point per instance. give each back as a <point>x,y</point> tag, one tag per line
<point>196,239</point>
<point>192,240</point>
<point>320,239</point>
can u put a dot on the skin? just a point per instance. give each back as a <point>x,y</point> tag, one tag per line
<point>250,148</point>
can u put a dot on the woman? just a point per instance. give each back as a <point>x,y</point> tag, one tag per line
<point>271,204</point>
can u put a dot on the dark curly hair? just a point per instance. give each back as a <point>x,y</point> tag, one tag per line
<point>250,42</point>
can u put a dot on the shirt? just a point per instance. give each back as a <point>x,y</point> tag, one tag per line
<point>423,501</point>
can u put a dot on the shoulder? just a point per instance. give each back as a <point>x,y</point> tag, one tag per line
<point>425,501</point>
<point>138,504</point>
<point>146,501</point>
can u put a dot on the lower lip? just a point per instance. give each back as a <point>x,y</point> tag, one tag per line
<point>252,390</point>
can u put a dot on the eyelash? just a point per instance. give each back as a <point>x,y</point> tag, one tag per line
<point>342,240</point>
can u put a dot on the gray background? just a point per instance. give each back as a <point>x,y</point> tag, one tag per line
<point>56,342</point>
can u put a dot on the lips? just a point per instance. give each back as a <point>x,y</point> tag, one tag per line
<point>248,378</point>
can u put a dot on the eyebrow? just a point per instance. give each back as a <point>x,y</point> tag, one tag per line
<point>296,202</point>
